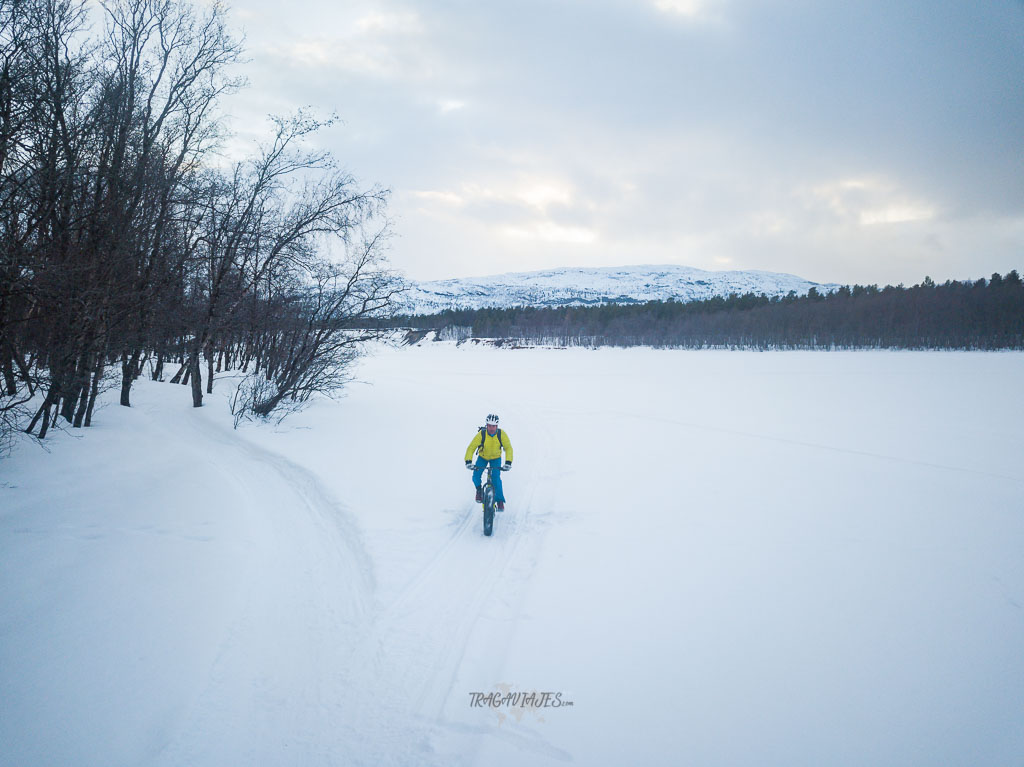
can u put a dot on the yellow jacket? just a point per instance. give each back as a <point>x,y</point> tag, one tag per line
<point>491,447</point>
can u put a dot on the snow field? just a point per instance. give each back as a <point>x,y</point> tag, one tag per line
<point>720,558</point>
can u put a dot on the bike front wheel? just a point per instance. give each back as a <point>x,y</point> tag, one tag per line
<point>488,509</point>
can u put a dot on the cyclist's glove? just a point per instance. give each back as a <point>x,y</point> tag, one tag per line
<point>507,466</point>
<point>469,464</point>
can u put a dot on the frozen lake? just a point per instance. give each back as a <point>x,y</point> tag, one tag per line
<point>719,558</point>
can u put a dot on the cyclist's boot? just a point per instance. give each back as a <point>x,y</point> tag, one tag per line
<point>479,495</point>
<point>501,505</point>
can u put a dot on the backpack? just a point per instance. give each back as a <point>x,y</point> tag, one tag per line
<point>483,434</point>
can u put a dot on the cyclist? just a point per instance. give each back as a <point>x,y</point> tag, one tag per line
<point>488,443</point>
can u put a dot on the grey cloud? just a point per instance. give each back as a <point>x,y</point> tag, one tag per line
<point>678,136</point>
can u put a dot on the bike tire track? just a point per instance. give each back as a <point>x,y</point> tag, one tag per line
<point>307,599</point>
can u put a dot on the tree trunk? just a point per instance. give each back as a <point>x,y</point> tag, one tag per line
<point>70,393</point>
<point>23,369</point>
<point>45,427</point>
<point>35,419</point>
<point>197,381</point>
<point>83,401</point>
<point>179,374</point>
<point>129,372</point>
<point>266,407</point>
<point>126,381</point>
<point>9,380</point>
<point>96,376</point>
<point>209,372</point>
<point>44,410</point>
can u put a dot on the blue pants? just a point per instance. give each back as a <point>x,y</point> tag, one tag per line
<point>495,464</point>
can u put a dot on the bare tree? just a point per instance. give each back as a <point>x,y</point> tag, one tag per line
<point>120,243</point>
<point>269,217</point>
<point>167,72</point>
<point>320,330</point>
<point>45,182</point>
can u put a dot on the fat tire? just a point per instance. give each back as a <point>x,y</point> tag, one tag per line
<point>488,510</point>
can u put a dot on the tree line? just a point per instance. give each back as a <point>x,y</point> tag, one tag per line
<point>127,241</point>
<point>982,314</point>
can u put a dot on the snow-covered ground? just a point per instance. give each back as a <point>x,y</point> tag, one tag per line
<point>719,558</point>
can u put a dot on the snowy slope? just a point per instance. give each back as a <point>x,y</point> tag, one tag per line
<point>718,558</point>
<point>557,287</point>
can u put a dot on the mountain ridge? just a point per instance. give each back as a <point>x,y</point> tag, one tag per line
<point>587,286</point>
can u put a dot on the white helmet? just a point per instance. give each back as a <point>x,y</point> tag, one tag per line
<point>492,418</point>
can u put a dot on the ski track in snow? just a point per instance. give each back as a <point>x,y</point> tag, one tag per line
<point>286,638</point>
<point>415,645</point>
<point>378,676</point>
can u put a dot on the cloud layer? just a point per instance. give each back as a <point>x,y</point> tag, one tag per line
<point>844,142</point>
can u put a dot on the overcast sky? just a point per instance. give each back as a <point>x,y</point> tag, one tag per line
<point>873,141</point>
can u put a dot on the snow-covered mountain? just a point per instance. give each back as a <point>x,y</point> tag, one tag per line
<point>582,286</point>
